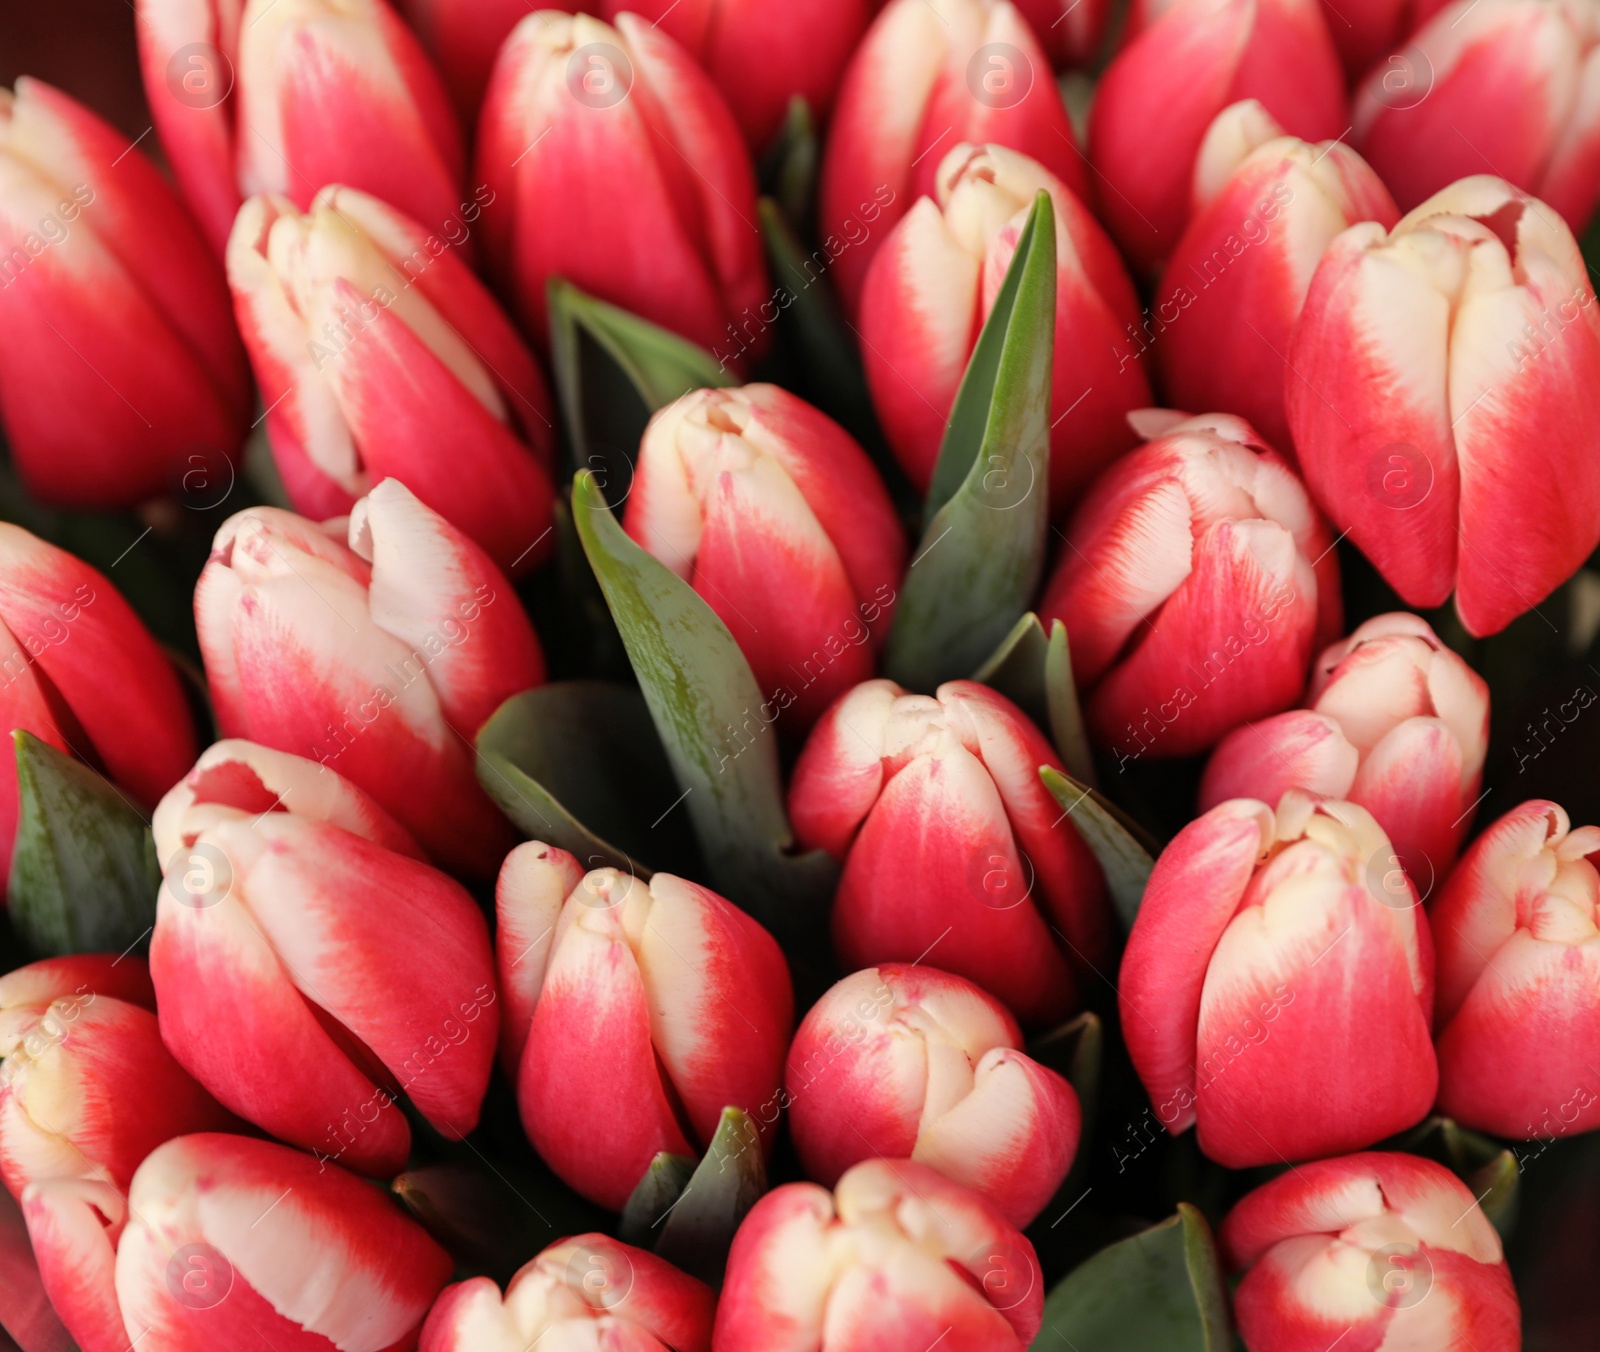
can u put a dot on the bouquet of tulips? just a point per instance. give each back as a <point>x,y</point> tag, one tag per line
<point>800,676</point>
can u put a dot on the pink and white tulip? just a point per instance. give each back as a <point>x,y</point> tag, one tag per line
<point>120,370</point>
<point>1517,928</point>
<point>912,1063</point>
<point>688,996</point>
<point>298,926</point>
<point>895,1258</point>
<point>933,283</point>
<point>379,356</point>
<point>380,659</point>
<point>1394,722</point>
<point>953,850</point>
<point>222,1241</point>
<point>1197,583</point>
<point>1277,988</point>
<point>1265,208</point>
<point>1382,1250</point>
<point>1478,469</point>
<point>588,1291</point>
<point>931,74</point>
<point>770,509</point>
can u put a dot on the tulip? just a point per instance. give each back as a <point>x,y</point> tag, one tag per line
<point>381,660</point>
<point>1265,207</point>
<point>1518,932</point>
<point>952,847</point>
<point>929,75</point>
<point>1072,31</point>
<point>1507,85</point>
<point>224,1242</point>
<point>617,166</point>
<point>1381,1249</point>
<point>79,670</point>
<point>287,96</point>
<point>120,369</point>
<point>1365,30</point>
<point>1197,582</point>
<point>1277,987</point>
<point>1163,90</point>
<point>464,37</point>
<point>773,512</point>
<point>298,927</point>
<point>911,1062</point>
<point>688,996</point>
<point>761,55</point>
<point>1477,466</point>
<point>895,1258</point>
<point>379,357</point>
<point>589,1291</point>
<point>931,286</point>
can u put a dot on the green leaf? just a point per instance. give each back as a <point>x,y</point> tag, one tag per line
<point>1075,1051</point>
<point>1125,850</point>
<point>1158,1291</point>
<point>1495,1186</point>
<point>982,547</point>
<point>788,168</point>
<point>727,1182</point>
<point>84,875</point>
<point>652,1197</point>
<point>1035,673</point>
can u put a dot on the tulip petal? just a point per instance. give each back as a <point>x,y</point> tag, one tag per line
<point>1298,749</point>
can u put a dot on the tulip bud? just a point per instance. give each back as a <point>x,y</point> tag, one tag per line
<point>223,1241</point>
<point>896,1257</point>
<point>1265,207</point>
<point>1519,978</point>
<point>1355,1247</point>
<point>378,358</point>
<point>1479,468</point>
<point>1188,61</point>
<point>929,75</point>
<point>933,283</point>
<point>290,899</point>
<point>608,146</point>
<point>1502,83</point>
<point>1394,722</point>
<point>689,997</point>
<point>911,1062</point>
<point>771,510</point>
<point>952,847</point>
<point>1197,582</point>
<point>591,1291</point>
<point>464,37</point>
<point>287,96</point>
<point>120,369</point>
<point>1277,988</point>
<point>381,660</point>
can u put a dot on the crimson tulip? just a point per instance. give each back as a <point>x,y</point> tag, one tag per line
<point>1072,31</point>
<point>1365,30</point>
<point>464,37</point>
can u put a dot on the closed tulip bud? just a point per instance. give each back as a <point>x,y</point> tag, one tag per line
<point>1265,208</point>
<point>380,660</point>
<point>1198,582</point>
<point>932,284</point>
<point>604,144</point>
<point>1187,61</point>
<point>689,997</point>
<point>464,37</point>
<point>120,369</point>
<point>931,74</point>
<point>1387,1249</point>
<point>1394,722</point>
<point>894,1258</point>
<point>298,926</point>
<point>288,96</point>
<point>952,847</point>
<point>1479,468</point>
<point>1277,989</point>
<point>1507,83</point>
<point>222,1241</point>
<point>911,1062</point>
<point>588,1291</point>
<point>771,510</point>
<point>378,357</point>
<point>1517,927</point>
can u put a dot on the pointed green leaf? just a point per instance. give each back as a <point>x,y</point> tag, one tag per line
<point>728,1181</point>
<point>652,1197</point>
<point>84,875</point>
<point>1066,714</point>
<point>1035,673</point>
<point>982,547</point>
<point>1125,850</point>
<point>1495,1186</point>
<point>1074,1051</point>
<point>788,168</point>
